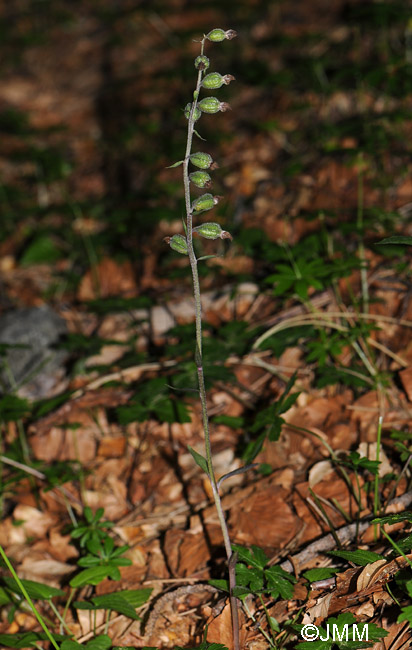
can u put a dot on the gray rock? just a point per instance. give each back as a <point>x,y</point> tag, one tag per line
<point>34,366</point>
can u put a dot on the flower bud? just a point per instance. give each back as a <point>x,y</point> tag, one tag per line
<point>217,35</point>
<point>197,112</point>
<point>212,231</point>
<point>205,202</point>
<point>202,62</point>
<point>178,243</point>
<point>212,105</point>
<point>216,80</point>
<point>200,179</point>
<point>201,160</point>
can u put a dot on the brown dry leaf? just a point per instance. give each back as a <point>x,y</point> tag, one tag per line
<point>108,278</point>
<point>399,637</point>
<point>318,611</point>
<point>36,567</point>
<point>112,447</point>
<point>319,471</point>
<point>34,523</point>
<point>68,443</point>
<point>264,519</point>
<point>367,575</point>
<point>220,628</point>
<point>406,379</point>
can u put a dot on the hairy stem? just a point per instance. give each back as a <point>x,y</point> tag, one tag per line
<point>199,363</point>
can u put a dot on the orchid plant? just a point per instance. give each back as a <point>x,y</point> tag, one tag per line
<point>199,177</point>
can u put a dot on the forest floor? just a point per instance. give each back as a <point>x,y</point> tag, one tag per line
<point>307,339</point>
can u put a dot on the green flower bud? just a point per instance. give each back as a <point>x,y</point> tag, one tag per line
<point>196,115</point>
<point>212,231</point>
<point>212,105</point>
<point>200,179</point>
<point>205,202</point>
<point>216,80</point>
<point>201,160</point>
<point>217,35</point>
<point>202,62</point>
<point>178,243</point>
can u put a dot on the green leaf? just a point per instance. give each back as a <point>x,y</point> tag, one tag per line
<point>94,576</point>
<point>313,575</point>
<point>394,519</point>
<point>360,557</point>
<point>101,642</point>
<point>176,164</point>
<point>42,250</point>
<point>13,408</point>
<point>27,639</point>
<point>199,459</point>
<point>254,557</point>
<point>220,584</point>
<point>406,615</point>
<point>5,598</point>
<point>396,239</point>
<point>234,422</point>
<point>36,590</point>
<point>70,645</point>
<point>136,597</point>
<point>117,603</point>
<point>279,582</point>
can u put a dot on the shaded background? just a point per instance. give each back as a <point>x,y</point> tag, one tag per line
<point>91,114</point>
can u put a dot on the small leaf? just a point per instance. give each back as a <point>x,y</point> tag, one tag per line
<point>396,239</point>
<point>323,573</point>
<point>117,603</point>
<point>176,164</point>
<point>360,557</point>
<point>102,642</point>
<point>394,519</point>
<point>94,576</point>
<point>36,590</point>
<point>199,460</point>
<point>69,644</point>
<point>27,639</point>
<point>42,250</point>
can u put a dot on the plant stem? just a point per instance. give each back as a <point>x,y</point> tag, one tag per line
<point>199,363</point>
<point>28,599</point>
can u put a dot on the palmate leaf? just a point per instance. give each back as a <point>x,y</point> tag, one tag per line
<point>279,582</point>
<point>255,556</point>
<point>406,615</point>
